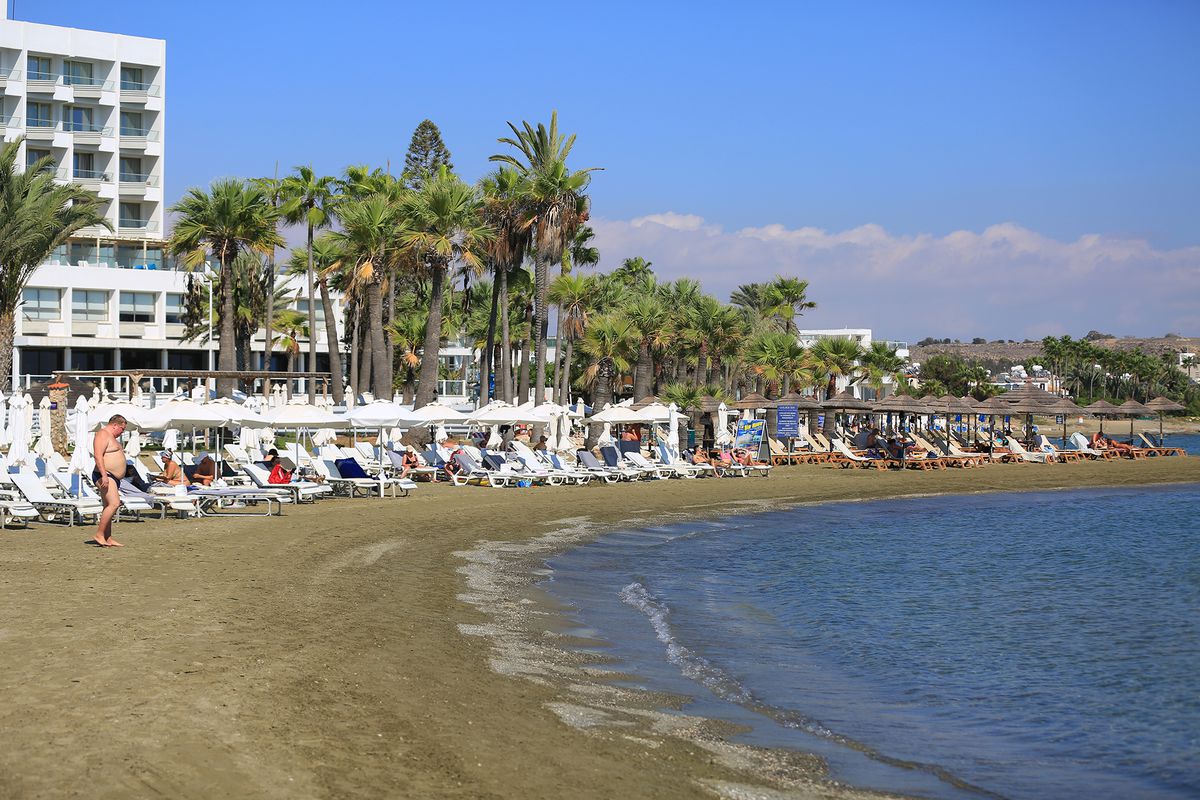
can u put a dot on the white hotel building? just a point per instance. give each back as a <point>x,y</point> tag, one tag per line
<point>108,300</point>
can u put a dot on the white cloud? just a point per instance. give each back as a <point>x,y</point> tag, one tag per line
<point>1007,281</point>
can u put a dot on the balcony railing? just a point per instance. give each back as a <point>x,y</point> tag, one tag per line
<point>131,179</point>
<point>138,225</point>
<point>136,88</point>
<point>80,126</point>
<point>91,176</point>
<point>452,389</point>
<point>9,74</point>
<point>139,133</point>
<point>10,122</point>
<point>86,82</point>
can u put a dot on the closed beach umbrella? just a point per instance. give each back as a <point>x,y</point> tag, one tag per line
<point>45,444</point>
<point>18,448</point>
<point>133,448</point>
<point>81,458</point>
<point>171,439</point>
<point>4,440</point>
<point>723,437</point>
<point>1160,406</point>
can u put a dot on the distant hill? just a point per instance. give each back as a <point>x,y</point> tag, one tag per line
<point>993,354</point>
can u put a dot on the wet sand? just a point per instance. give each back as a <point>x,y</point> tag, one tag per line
<point>341,650</point>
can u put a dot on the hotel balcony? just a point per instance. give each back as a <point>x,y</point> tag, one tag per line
<point>41,130</point>
<point>9,74</point>
<point>137,138</point>
<point>90,177</point>
<point>136,184</point>
<point>134,92</point>
<point>86,132</point>
<point>136,228</point>
<point>87,87</point>
<point>42,82</point>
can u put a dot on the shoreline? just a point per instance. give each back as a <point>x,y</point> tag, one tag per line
<point>333,652</point>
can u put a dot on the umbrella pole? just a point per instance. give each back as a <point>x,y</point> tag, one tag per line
<point>1161,441</point>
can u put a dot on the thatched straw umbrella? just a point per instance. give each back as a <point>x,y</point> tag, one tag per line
<point>1102,409</point>
<point>903,404</point>
<point>1132,408</point>
<point>1160,406</point>
<point>844,401</point>
<point>1067,409</point>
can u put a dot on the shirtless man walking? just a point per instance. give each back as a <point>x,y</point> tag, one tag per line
<point>110,469</point>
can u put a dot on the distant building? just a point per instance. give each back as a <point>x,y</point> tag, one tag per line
<point>862,336</point>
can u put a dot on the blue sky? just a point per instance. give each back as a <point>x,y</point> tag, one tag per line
<point>1063,120</point>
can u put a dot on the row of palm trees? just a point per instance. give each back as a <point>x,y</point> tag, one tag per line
<point>1091,372</point>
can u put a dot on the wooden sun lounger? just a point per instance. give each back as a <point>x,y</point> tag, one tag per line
<point>1154,450</point>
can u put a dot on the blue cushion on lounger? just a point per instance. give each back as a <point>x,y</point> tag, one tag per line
<point>349,468</point>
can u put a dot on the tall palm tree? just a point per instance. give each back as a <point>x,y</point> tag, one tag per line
<point>324,258</point>
<point>367,240</point>
<point>574,295</point>
<point>579,252</point>
<point>835,357</point>
<point>273,188</point>
<point>556,195</point>
<point>308,200</point>
<point>442,225</point>
<point>791,294</point>
<point>645,313</point>
<point>882,366</point>
<point>231,218</point>
<point>607,344</point>
<point>292,326</point>
<point>408,333</point>
<point>36,216</point>
<point>506,210</point>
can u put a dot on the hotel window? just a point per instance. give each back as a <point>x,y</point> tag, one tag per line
<point>131,124</point>
<point>79,118</point>
<point>39,68</point>
<point>130,215</point>
<point>137,307</point>
<point>77,73</point>
<point>318,312</point>
<point>131,170</point>
<point>89,305</point>
<point>174,309</point>
<point>41,304</point>
<point>84,165</point>
<point>33,156</point>
<point>131,79</point>
<point>40,115</point>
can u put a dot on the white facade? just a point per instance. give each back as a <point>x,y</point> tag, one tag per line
<point>95,103</point>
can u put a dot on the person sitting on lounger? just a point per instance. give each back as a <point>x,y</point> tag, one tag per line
<point>206,472</point>
<point>452,466</point>
<point>408,462</point>
<point>541,443</point>
<point>172,473</point>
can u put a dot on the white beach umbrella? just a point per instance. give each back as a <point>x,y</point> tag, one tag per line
<point>45,442</point>
<point>435,413</point>
<point>81,459</point>
<point>605,436</point>
<point>380,414</point>
<point>96,398</point>
<point>3,420</point>
<point>28,411</point>
<point>580,409</point>
<point>656,412</point>
<point>18,448</point>
<point>323,436</point>
<point>248,438</point>
<point>723,435</point>
<point>133,448</point>
<point>440,434</point>
<point>171,439</point>
<point>184,414</point>
<point>494,439</point>
<point>266,438</point>
<point>302,415</point>
<point>619,415</point>
<point>100,414</point>
<point>673,442</point>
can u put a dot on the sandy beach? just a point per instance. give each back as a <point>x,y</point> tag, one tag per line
<point>341,650</point>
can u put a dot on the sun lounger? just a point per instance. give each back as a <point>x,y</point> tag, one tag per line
<point>541,459</point>
<point>669,457</point>
<point>1040,457</point>
<point>1152,449</point>
<point>50,507</point>
<point>13,506</point>
<point>849,458</point>
<point>1081,443</point>
<point>301,491</point>
<point>593,465</point>
<point>939,447</point>
<point>638,461</point>
<point>132,502</point>
<point>581,477</point>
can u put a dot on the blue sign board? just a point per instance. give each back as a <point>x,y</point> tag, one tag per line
<point>787,422</point>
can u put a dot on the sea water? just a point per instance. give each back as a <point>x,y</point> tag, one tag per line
<point>1033,645</point>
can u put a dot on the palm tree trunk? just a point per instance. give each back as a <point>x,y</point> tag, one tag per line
<point>366,354</point>
<point>542,285</point>
<point>334,344</point>
<point>355,388</point>
<point>312,323</point>
<point>381,390</point>
<point>488,361</point>
<point>8,335</point>
<point>427,382</point>
<point>226,355</point>
<point>643,373</point>
<point>565,397</point>
<point>526,350</point>
<point>410,384</point>
<point>270,323</point>
<point>291,367</point>
<point>505,339</point>
<point>601,395</point>
<point>559,351</point>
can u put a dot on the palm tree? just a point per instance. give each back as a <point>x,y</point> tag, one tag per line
<point>645,313</point>
<point>292,326</point>
<point>792,294</point>
<point>505,209</point>
<point>606,344</point>
<point>687,398</point>
<point>442,224</point>
<point>835,357</point>
<point>574,295</point>
<point>579,252</point>
<point>324,258</point>
<point>881,366</point>
<point>408,333</point>
<point>273,188</point>
<point>559,206</point>
<point>367,242</point>
<point>308,199</point>
<point>231,218</point>
<point>36,216</point>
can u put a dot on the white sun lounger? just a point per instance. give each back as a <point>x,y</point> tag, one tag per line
<point>50,507</point>
<point>302,491</point>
